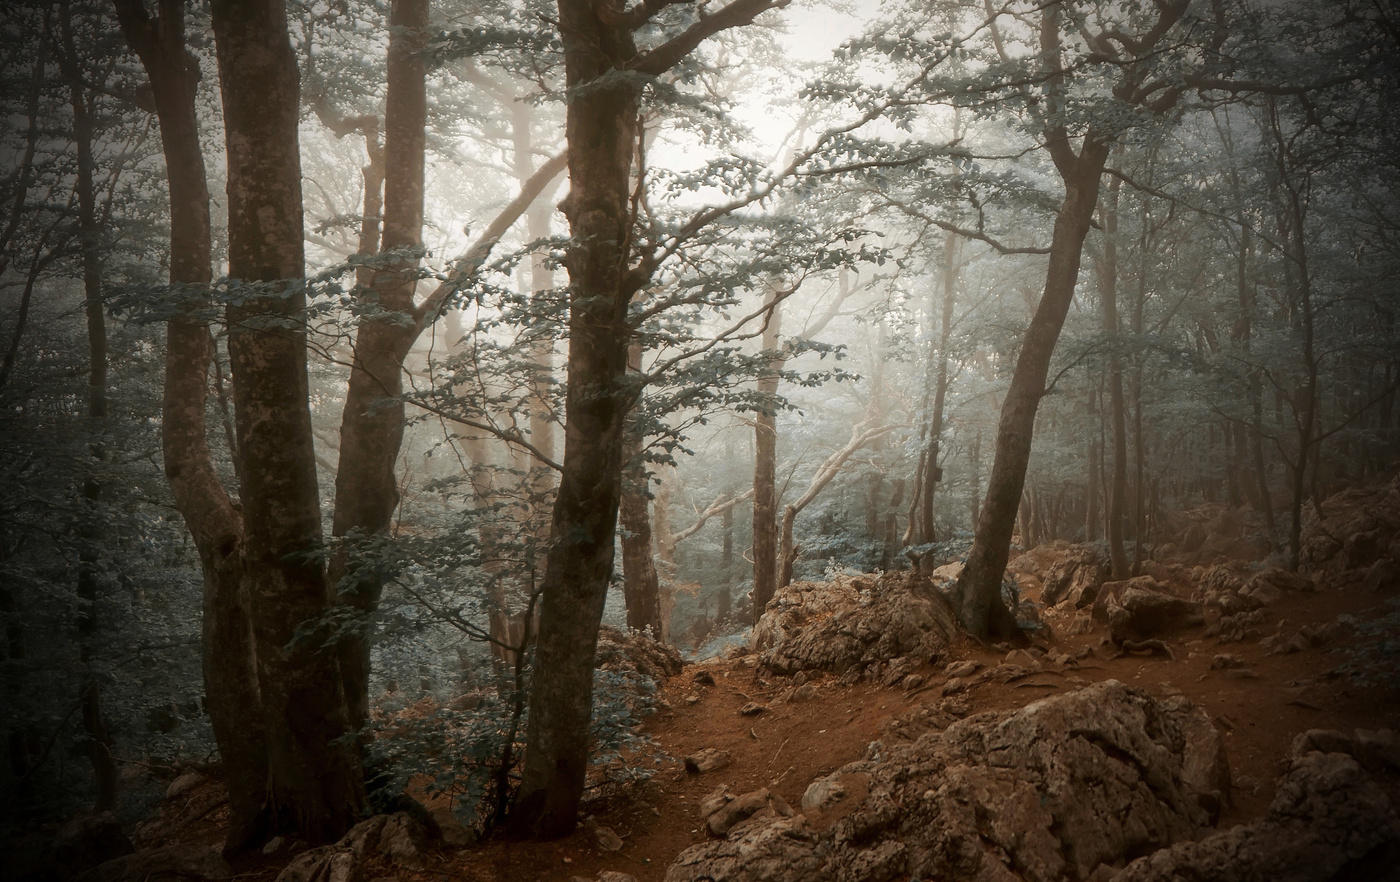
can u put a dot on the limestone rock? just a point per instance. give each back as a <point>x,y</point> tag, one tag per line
<point>783,850</point>
<point>329,863</point>
<point>1139,613</point>
<point>707,759</point>
<point>854,626</point>
<point>1075,578</point>
<point>627,651</point>
<point>1328,821</point>
<point>1048,792</point>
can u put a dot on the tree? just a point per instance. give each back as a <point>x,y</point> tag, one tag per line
<point>315,785</point>
<point>603,73</point>
<point>372,424</point>
<point>230,676</point>
<point>1139,85</point>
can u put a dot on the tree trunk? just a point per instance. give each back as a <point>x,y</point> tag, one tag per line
<point>371,430</point>
<point>641,589</point>
<point>315,786</point>
<point>765,439</point>
<point>726,565</point>
<point>602,129</point>
<point>979,586</point>
<point>231,693</point>
<point>1108,293</point>
<point>933,471</point>
<point>98,745</point>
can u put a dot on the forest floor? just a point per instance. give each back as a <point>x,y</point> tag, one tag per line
<point>1260,700</point>
<point>1259,697</point>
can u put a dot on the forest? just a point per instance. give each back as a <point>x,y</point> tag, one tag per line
<point>406,406</point>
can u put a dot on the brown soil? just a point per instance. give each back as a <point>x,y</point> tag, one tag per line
<point>1261,704</point>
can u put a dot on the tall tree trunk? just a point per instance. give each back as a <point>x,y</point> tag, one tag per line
<point>765,459</point>
<point>726,565</point>
<point>1093,518</point>
<point>315,786</point>
<point>602,130</point>
<point>372,425</point>
<point>98,745</point>
<point>933,471</point>
<point>231,693</point>
<point>1108,293</point>
<point>641,588</point>
<point>979,586</point>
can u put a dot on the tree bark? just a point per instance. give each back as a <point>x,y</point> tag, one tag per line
<point>601,128</point>
<point>1108,293</point>
<point>765,439</point>
<point>933,471</point>
<point>641,588</point>
<point>372,425</point>
<point>98,745</point>
<point>979,586</point>
<point>232,697</point>
<point>315,786</point>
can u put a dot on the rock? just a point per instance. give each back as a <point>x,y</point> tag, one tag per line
<point>964,668</point>
<point>89,840</point>
<point>398,837</point>
<point>616,876</point>
<point>185,863</point>
<point>1110,592</point>
<point>632,651</point>
<point>1138,614</point>
<point>329,863</point>
<point>823,793</point>
<point>833,626</point>
<point>1225,661</point>
<point>1075,578</point>
<point>805,692</point>
<point>783,850</point>
<point>707,760</point>
<point>605,838</point>
<point>1278,581</point>
<point>1237,628</point>
<point>1360,527</point>
<point>1328,821</point>
<point>184,784</point>
<point>1383,576</point>
<point>732,811</point>
<point>752,709</point>
<point>1022,658</point>
<point>1047,792</point>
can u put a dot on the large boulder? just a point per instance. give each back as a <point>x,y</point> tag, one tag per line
<point>1359,526</point>
<point>1076,576</point>
<point>1139,613</point>
<point>854,624</point>
<point>1050,792</point>
<point>1329,821</point>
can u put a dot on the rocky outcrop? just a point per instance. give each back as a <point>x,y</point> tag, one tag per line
<point>1074,578</point>
<point>1139,612</point>
<point>1359,527</point>
<point>854,625</point>
<point>1329,820</point>
<point>398,839</point>
<point>634,652</point>
<point>1049,792</point>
